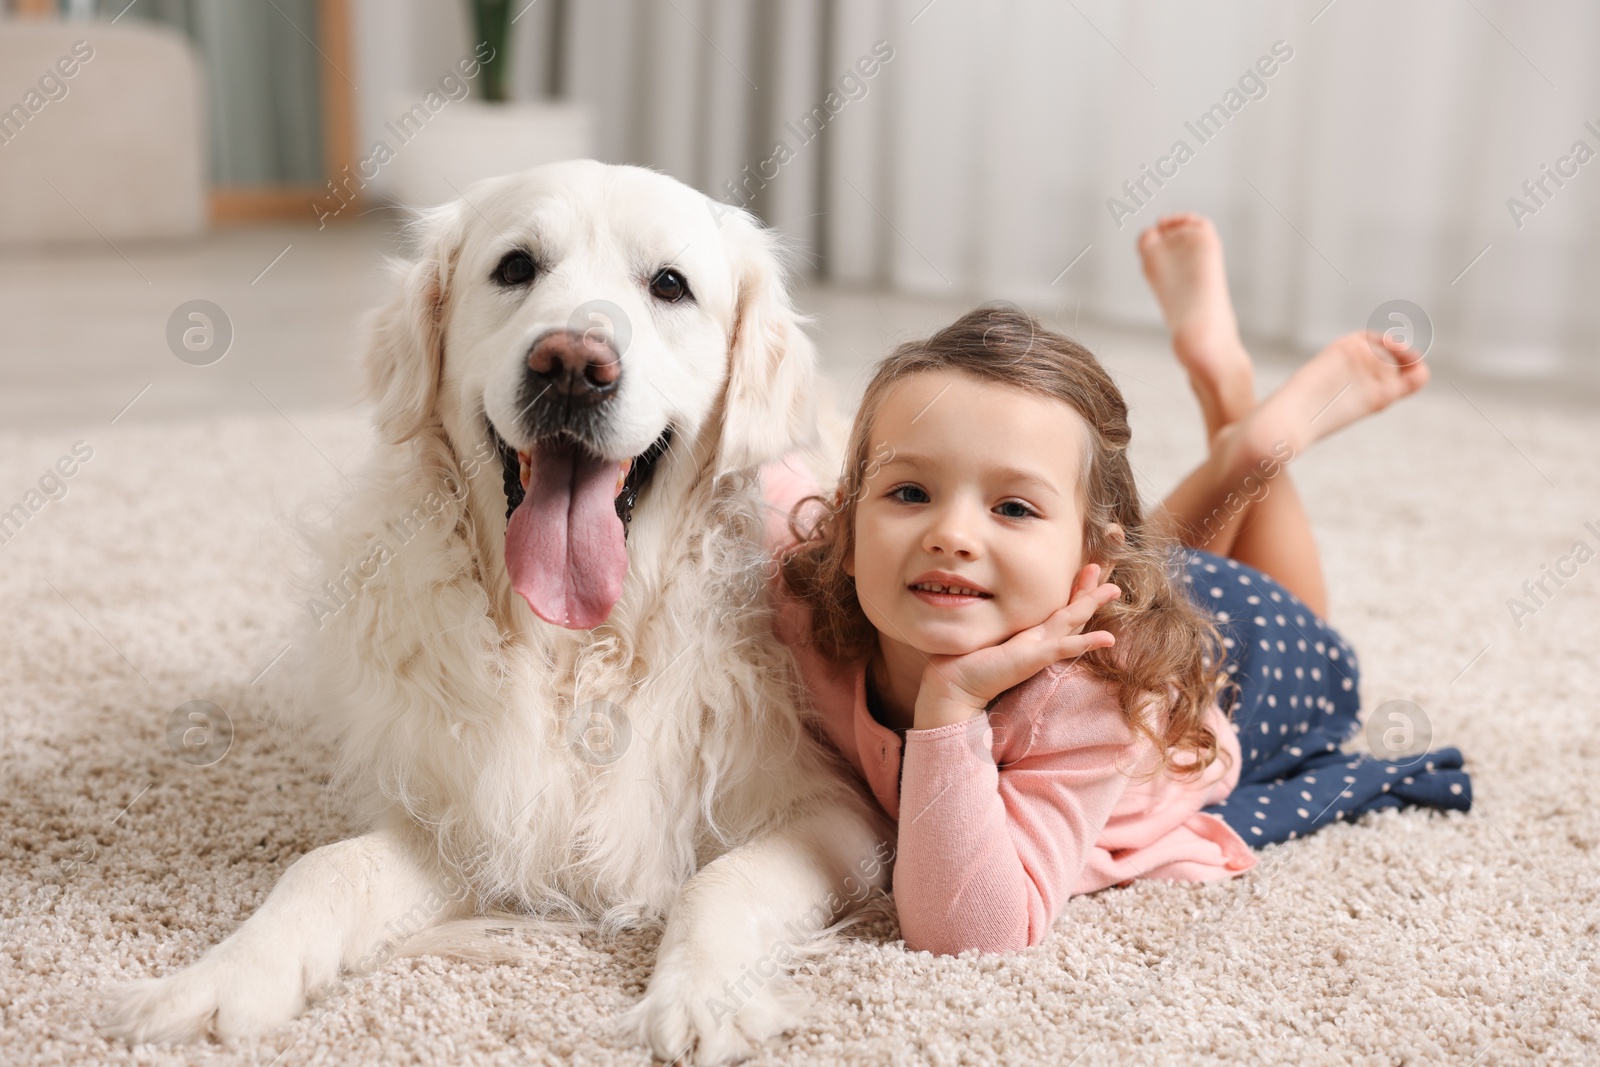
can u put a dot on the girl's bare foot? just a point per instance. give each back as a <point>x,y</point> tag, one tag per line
<point>1356,375</point>
<point>1182,257</point>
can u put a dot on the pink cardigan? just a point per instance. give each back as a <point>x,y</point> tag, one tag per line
<point>1000,821</point>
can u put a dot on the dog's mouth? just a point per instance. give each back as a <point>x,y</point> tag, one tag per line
<point>568,512</point>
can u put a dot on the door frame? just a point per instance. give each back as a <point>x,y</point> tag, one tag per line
<point>243,204</point>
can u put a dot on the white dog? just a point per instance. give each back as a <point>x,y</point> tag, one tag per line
<point>545,647</point>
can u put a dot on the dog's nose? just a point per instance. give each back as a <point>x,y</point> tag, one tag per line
<point>581,366</point>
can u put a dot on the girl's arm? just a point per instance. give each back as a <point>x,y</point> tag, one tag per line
<point>986,856</point>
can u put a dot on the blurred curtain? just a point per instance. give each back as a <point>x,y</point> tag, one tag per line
<point>1377,162</point>
<point>264,90</point>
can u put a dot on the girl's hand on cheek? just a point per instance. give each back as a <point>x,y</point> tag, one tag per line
<point>953,687</point>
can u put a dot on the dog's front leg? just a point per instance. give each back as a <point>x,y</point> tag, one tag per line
<point>336,908</point>
<point>720,982</point>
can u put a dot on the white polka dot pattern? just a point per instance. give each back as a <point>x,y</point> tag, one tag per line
<point>1287,669</point>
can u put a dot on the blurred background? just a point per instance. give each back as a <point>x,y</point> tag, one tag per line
<point>196,199</point>
<point>1426,167</point>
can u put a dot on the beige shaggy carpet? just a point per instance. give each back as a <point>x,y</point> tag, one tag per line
<point>1411,937</point>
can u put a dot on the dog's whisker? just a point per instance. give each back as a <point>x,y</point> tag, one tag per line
<point>532,402</point>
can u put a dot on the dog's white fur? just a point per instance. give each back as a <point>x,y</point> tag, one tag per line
<point>454,705</point>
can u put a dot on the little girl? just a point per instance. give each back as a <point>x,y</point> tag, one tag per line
<point>988,517</point>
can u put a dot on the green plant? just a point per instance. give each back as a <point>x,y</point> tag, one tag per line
<point>491,19</point>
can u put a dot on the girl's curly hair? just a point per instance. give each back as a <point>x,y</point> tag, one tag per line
<point>1168,652</point>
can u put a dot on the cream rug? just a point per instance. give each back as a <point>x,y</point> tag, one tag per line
<point>1412,937</point>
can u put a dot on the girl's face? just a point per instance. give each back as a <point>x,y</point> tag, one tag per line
<point>982,485</point>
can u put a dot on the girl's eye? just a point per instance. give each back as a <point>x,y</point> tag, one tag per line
<point>907,489</point>
<point>1026,510</point>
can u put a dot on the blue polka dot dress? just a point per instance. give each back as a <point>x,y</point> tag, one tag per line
<point>1293,703</point>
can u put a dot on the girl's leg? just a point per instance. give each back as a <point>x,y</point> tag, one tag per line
<point>1295,694</point>
<point>1240,501</point>
<point>1262,525</point>
<point>1275,538</point>
<point>1182,259</point>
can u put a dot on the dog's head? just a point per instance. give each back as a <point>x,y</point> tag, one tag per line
<point>577,318</point>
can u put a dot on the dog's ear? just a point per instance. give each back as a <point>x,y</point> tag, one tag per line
<point>768,403</point>
<point>405,337</point>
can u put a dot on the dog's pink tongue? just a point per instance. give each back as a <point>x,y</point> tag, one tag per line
<point>564,545</point>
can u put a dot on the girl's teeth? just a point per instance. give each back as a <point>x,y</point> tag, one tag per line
<point>956,589</point>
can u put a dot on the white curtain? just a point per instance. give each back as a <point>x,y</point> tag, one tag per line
<point>263,105</point>
<point>1375,163</point>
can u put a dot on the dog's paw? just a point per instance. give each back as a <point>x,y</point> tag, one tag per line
<point>694,1019</point>
<point>217,997</point>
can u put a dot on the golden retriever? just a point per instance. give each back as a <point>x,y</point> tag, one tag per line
<point>544,645</point>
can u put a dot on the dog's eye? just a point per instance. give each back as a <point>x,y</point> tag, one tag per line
<point>517,268</point>
<point>670,286</point>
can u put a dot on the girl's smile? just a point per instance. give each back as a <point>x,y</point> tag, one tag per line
<point>943,589</point>
<point>972,530</point>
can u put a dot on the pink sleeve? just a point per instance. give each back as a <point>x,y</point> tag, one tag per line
<point>987,856</point>
<point>784,482</point>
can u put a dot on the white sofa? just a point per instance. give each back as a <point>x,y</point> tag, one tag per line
<point>113,117</point>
